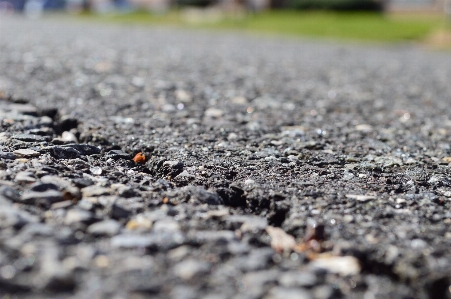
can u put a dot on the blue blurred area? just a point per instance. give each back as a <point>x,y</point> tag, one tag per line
<point>55,4</point>
<point>20,5</point>
<point>17,5</point>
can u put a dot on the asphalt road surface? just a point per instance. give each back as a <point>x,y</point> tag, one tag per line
<point>269,168</point>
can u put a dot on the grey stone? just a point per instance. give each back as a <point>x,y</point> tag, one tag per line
<point>53,276</point>
<point>26,153</point>
<point>65,236</point>
<point>137,281</point>
<point>104,228</point>
<point>36,229</point>
<point>232,136</point>
<point>69,137</point>
<point>131,241</point>
<point>29,138</point>
<point>157,241</point>
<point>297,279</point>
<point>246,222</point>
<point>191,268</point>
<point>13,217</point>
<point>184,174</point>
<point>361,198</point>
<point>184,178</point>
<point>135,263</point>
<point>26,109</point>
<point>179,253</point>
<point>213,113</point>
<point>92,191</point>
<point>288,293</point>
<point>43,131</point>
<point>75,216</point>
<point>200,195</point>
<point>108,200</point>
<point>166,224</point>
<point>50,182</point>
<point>85,205</point>
<point>257,259</point>
<point>25,177</point>
<point>342,265</point>
<point>201,237</point>
<point>259,278</point>
<point>126,191</point>
<point>53,179</point>
<point>238,248</point>
<point>167,240</point>
<point>326,292</point>
<point>172,168</point>
<point>254,287</point>
<point>96,170</point>
<point>62,205</point>
<point>184,292</point>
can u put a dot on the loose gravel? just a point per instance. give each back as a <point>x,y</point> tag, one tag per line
<point>269,168</point>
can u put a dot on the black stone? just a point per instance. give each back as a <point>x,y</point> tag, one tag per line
<point>42,187</point>
<point>119,212</point>
<point>82,182</point>
<point>117,154</point>
<point>84,149</point>
<point>9,193</point>
<point>7,156</point>
<point>60,152</point>
<point>65,124</point>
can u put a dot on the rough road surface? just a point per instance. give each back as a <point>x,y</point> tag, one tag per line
<point>273,169</point>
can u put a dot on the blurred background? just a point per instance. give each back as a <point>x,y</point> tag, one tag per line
<point>162,6</point>
<point>425,21</point>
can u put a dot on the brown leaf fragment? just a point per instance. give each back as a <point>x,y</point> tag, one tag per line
<point>280,240</point>
<point>315,231</point>
<point>314,236</point>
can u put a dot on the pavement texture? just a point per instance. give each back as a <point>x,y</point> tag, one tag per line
<point>160,163</point>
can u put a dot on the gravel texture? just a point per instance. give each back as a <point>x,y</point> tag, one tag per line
<point>273,168</point>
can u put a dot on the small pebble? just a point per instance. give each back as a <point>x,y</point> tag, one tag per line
<point>26,153</point>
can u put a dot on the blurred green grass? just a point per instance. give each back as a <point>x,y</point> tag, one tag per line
<point>358,26</point>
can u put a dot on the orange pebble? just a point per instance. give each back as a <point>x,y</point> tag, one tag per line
<point>139,158</point>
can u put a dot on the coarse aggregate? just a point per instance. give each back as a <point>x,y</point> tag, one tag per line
<point>274,168</point>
